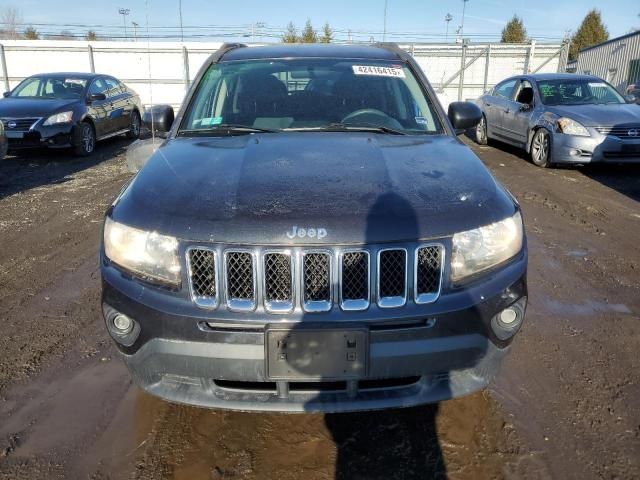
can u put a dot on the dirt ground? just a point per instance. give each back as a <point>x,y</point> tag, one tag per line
<point>564,406</point>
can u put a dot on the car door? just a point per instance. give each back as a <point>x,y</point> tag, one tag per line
<point>118,102</point>
<point>496,104</point>
<point>99,110</point>
<point>517,113</point>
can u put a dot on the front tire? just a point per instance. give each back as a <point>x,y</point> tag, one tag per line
<point>541,148</point>
<point>134,126</point>
<point>481,131</point>
<point>87,140</point>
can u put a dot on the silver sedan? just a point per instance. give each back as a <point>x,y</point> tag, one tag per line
<point>562,119</point>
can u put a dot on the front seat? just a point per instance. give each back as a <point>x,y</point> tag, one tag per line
<point>59,90</point>
<point>260,96</point>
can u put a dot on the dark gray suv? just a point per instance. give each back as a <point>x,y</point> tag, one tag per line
<point>313,236</point>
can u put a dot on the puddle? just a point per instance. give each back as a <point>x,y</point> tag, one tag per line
<point>589,307</point>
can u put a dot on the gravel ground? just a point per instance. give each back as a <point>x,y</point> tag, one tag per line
<point>564,406</point>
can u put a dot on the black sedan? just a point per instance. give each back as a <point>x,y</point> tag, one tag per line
<point>69,110</point>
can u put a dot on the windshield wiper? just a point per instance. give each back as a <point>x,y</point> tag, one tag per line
<point>224,129</point>
<point>341,127</point>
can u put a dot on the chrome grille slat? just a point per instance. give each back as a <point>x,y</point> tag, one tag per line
<point>354,280</point>
<point>621,131</point>
<point>316,287</point>
<point>278,282</point>
<point>240,280</point>
<point>203,277</point>
<point>392,277</point>
<point>22,124</point>
<point>428,273</point>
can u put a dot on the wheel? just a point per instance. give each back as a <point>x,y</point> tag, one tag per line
<point>481,131</point>
<point>87,140</point>
<point>541,148</point>
<point>134,126</point>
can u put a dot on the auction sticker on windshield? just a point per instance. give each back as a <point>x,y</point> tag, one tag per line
<point>378,71</point>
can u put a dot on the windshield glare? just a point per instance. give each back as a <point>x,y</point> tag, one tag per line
<point>310,94</point>
<point>50,87</point>
<point>577,92</point>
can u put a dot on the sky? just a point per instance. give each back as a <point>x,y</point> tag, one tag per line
<point>407,20</point>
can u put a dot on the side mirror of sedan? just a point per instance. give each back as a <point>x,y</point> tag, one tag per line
<point>159,118</point>
<point>464,115</point>
<point>630,98</point>
<point>525,107</point>
<point>6,94</point>
<point>97,97</point>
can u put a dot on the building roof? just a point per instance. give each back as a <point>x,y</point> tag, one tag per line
<point>610,41</point>
<point>288,50</point>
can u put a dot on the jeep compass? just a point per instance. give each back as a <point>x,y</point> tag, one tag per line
<point>312,236</point>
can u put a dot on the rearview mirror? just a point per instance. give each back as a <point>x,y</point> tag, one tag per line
<point>630,98</point>
<point>6,94</point>
<point>158,118</point>
<point>464,115</point>
<point>97,97</point>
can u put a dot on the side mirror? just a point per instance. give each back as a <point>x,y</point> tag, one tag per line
<point>464,115</point>
<point>139,152</point>
<point>158,118</point>
<point>525,107</point>
<point>97,97</point>
<point>6,94</point>
<point>630,98</point>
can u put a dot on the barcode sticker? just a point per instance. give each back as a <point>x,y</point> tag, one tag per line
<point>378,71</point>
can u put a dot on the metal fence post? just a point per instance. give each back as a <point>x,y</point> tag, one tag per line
<point>92,65</point>
<point>564,55</point>
<point>185,61</point>
<point>529,62</point>
<point>486,68</point>
<point>463,61</point>
<point>5,75</point>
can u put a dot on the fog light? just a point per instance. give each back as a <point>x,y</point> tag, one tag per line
<point>575,152</point>
<point>508,316</point>
<point>505,324</point>
<point>122,323</point>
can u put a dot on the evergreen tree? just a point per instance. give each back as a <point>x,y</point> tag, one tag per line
<point>591,32</point>
<point>514,31</point>
<point>308,35</point>
<point>291,34</point>
<point>91,36</point>
<point>327,34</point>
<point>31,34</point>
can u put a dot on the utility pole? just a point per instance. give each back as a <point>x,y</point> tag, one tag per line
<point>448,17</point>
<point>464,5</point>
<point>124,12</point>
<point>180,15</point>
<point>135,31</point>
<point>384,33</point>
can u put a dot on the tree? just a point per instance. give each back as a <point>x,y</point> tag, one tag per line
<point>327,34</point>
<point>308,35</point>
<point>290,34</point>
<point>591,32</point>
<point>514,31</point>
<point>91,36</point>
<point>31,34</point>
<point>65,35</point>
<point>10,19</point>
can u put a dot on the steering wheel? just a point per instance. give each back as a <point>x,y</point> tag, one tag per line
<point>370,117</point>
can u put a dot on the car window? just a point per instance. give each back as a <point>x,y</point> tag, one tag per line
<point>98,86</point>
<point>299,94</point>
<point>577,91</point>
<point>113,87</point>
<point>504,89</point>
<point>53,87</point>
<point>525,93</point>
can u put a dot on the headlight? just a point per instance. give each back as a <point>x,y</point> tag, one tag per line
<point>62,117</point>
<point>571,127</point>
<point>148,254</point>
<point>482,248</point>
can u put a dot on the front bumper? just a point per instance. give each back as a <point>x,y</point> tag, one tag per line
<point>54,136</point>
<point>190,357</point>
<point>596,148</point>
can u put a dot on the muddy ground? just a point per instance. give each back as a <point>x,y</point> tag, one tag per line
<point>566,404</point>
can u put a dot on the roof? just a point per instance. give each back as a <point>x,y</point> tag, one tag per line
<point>83,75</point>
<point>559,76</point>
<point>292,50</point>
<point>610,41</point>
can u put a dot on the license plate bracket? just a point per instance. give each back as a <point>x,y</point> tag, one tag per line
<point>316,354</point>
<point>11,134</point>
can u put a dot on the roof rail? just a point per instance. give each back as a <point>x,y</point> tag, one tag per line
<point>231,46</point>
<point>391,47</point>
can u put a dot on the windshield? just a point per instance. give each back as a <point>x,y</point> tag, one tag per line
<point>310,94</point>
<point>577,92</point>
<point>50,87</point>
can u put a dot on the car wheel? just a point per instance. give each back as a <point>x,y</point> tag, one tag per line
<point>87,140</point>
<point>481,131</point>
<point>541,148</point>
<point>134,125</point>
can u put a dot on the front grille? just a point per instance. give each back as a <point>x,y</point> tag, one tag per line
<point>317,281</point>
<point>297,276</point>
<point>240,280</point>
<point>21,124</point>
<point>392,277</point>
<point>428,273</point>
<point>203,277</point>
<point>620,131</point>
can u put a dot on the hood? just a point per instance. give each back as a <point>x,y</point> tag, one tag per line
<point>596,115</point>
<point>356,187</point>
<point>32,107</point>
